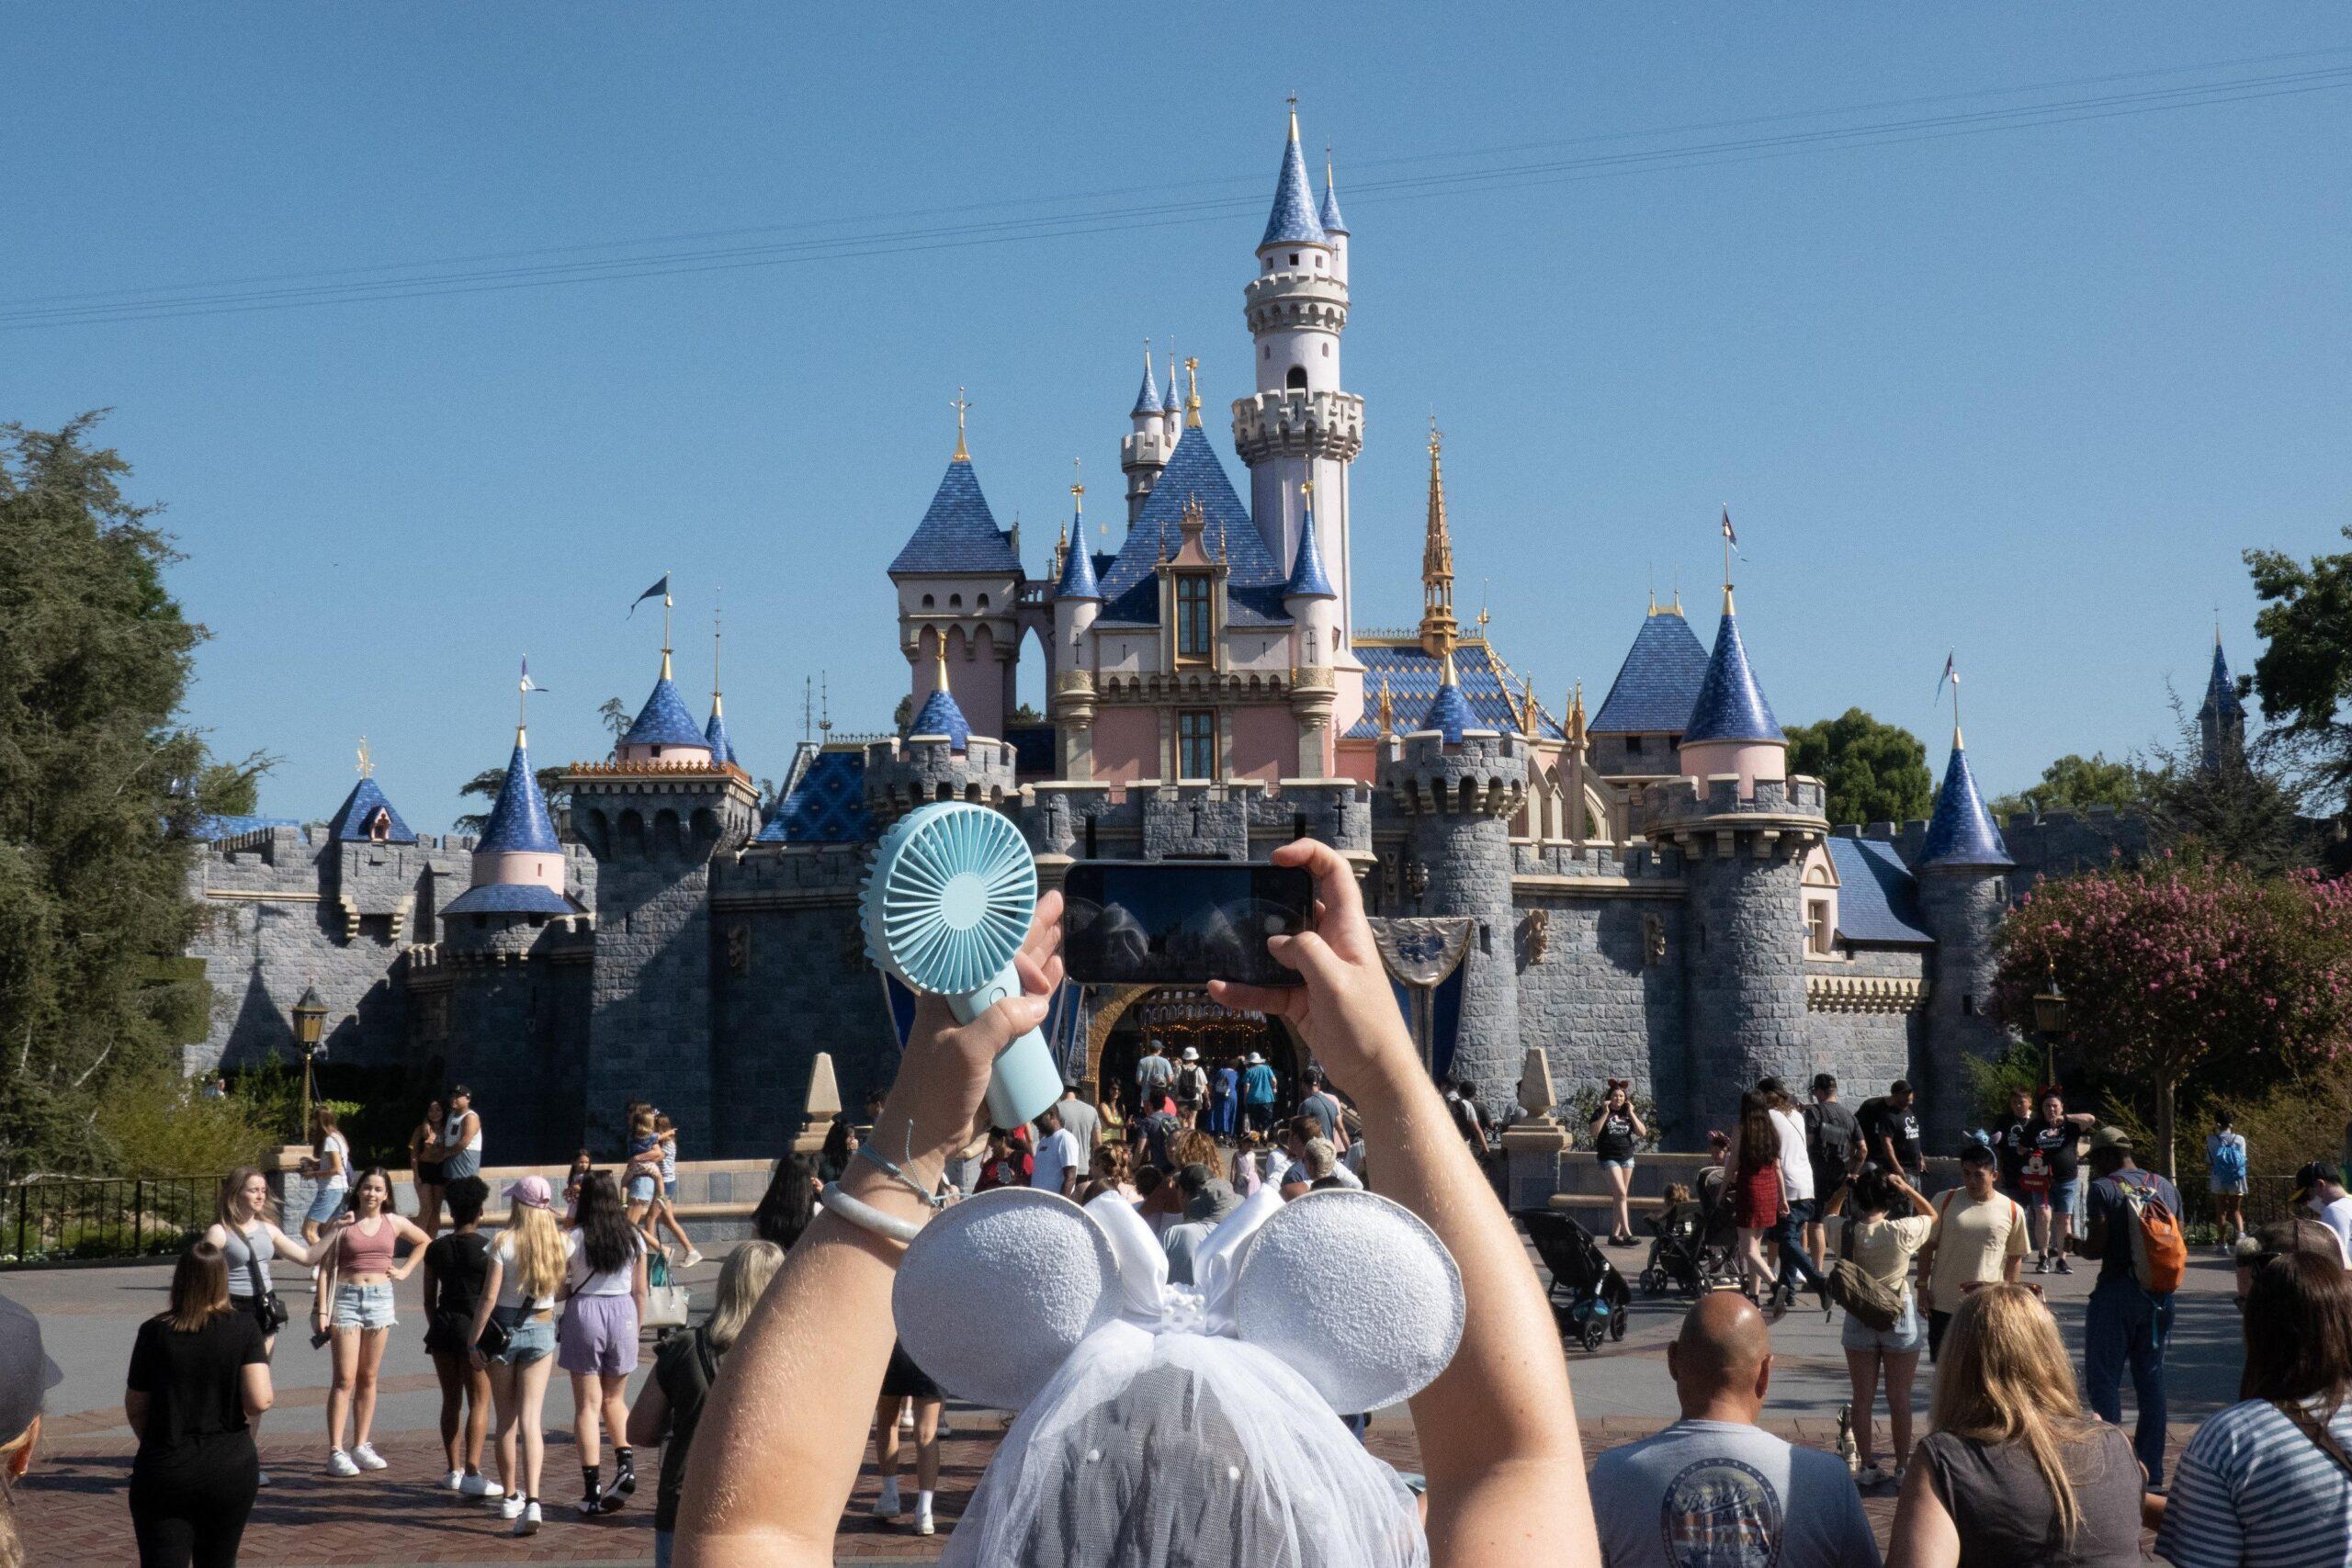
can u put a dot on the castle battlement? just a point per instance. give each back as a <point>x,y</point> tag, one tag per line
<point>1295,299</point>
<point>1485,774</point>
<point>1298,424</point>
<point>903,774</point>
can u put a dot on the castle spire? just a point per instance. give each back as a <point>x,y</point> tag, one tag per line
<point>1387,707</point>
<point>1293,221</point>
<point>722,744</point>
<point>1077,579</point>
<point>1192,392</point>
<point>1438,629</point>
<point>940,714</point>
<point>1730,704</point>
<point>1329,216</point>
<point>1961,832</point>
<point>1148,397</point>
<point>1449,713</point>
<point>1307,579</point>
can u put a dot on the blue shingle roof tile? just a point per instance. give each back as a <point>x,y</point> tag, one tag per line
<point>1961,832</point>
<point>1658,682</point>
<point>1307,577</point>
<point>941,715</point>
<point>825,803</point>
<point>1292,222</point>
<point>1329,217</point>
<point>353,818</point>
<point>1449,714</point>
<point>1413,676</point>
<point>958,532</point>
<point>511,898</point>
<point>1078,578</point>
<point>1255,578</point>
<point>663,721</point>
<point>1173,402</point>
<point>1730,704</point>
<point>1878,901</point>
<point>715,735</point>
<point>518,822</point>
<point>1146,399</point>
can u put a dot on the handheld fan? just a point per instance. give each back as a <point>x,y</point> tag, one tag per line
<point>947,908</point>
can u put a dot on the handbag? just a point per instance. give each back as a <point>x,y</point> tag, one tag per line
<point>494,1338</point>
<point>267,1306</point>
<point>1862,1294</point>
<point>2309,1425</point>
<point>665,1306</point>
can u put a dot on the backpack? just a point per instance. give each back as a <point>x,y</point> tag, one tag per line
<point>1863,1296</point>
<point>2159,1251</point>
<point>2228,1163</point>
<point>1192,1084</point>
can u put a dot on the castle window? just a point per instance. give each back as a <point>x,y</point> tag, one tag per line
<point>929,602</point>
<point>1297,380</point>
<point>984,600</point>
<point>955,601</point>
<point>1294,258</point>
<point>657,750</point>
<point>1192,616</point>
<point>1819,935</point>
<point>1197,744</point>
<point>1632,745</point>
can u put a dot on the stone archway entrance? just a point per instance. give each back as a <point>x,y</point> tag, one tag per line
<point>1178,1016</point>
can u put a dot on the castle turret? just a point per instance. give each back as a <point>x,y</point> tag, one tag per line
<point>1143,453</point>
<point>1335,228</point>
<point>2221,718</point>
<point>959,579</point>
<point>940,759</point>
<point>1078,600</point>
<point>1743,829</point>
<point>1459,783</point>
<point>655,816</point>
<point>722,745</point>
<point>1300,424</point>
<point>1314,610</point>
<point>1438,631</point>
<point>1172,407</point>
<point>1962,877</point>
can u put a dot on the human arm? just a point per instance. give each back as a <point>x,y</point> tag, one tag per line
<point>432,1282</point>
<point>2013,1250</point>
<point>1641,1129</point>
<point>139,1379</point>
<point>493,1280</point>
<point>1918,1200</point>
<point>295,1249</point>
<point>254,1388</point>
<point>330,1160</point>
<point>134,1411</point>
<point>1598,1117</point>
<point>638,1287</point>
<point>648,1417</point>
<point>2094,1242</point>
<point>408,1231</point>
<point>1923,1535</point>
<point>1497,1429</point>
<point>781,1436</point>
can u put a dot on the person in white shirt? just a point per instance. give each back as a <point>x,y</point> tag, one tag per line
<point>2319,1186</point>
<point>1796,1185</point>
<point>1059,1160</point>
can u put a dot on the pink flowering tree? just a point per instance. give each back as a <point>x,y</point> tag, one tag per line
<point>2183,964</point>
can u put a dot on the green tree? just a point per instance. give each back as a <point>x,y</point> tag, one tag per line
<point>96,806</point>
<point>2304,675</point>
<point>616,715</point>
<point>2077,783</point>
<point>1875,773</point>
<point>489,781</point>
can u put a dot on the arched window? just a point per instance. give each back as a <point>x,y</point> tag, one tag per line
<point>1297,380</point>
<point>984,600</point>
<point>955,601</point>
<point>929,602</point>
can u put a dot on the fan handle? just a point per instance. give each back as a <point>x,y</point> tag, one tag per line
<point>1025,1079</point>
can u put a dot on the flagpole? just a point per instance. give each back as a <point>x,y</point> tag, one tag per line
<point>522,696</point>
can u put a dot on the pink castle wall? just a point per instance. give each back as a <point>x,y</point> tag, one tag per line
<point>1126,745</point>
<point>1265,743</point>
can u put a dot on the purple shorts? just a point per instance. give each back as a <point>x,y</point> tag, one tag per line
<point>598,1335</point>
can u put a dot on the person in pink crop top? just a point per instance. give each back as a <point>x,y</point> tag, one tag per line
<point>355,1306</point>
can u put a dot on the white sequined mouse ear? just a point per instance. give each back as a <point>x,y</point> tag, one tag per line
<point>1355,1292</point>
<point>997,1291</point>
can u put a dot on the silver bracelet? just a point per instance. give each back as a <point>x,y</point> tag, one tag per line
<point>881,1162</point>
<point>866,1217</point>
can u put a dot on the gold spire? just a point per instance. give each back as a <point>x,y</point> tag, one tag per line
<point>962,407</point>
<point>1078,492</point>
<point>1192,392</point>
<point>366,759</point>
<point>1387,710</point>
<point>1576,725</point>
<point>1528,718</point>
<point>939,663</point>
<point>1438,628</point>
<point>667,600</point>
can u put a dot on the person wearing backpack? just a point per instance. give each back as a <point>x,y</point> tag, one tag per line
<point>1833,1139</point>
<point>2135,1237</point>
<point>2226,1165</point>
<point>1883,1246</point>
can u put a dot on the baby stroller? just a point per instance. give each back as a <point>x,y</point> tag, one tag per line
<point>1695,1243</point>
<point>1589,1296</point>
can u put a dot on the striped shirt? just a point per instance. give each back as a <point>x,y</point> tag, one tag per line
<point>2253,1490</point>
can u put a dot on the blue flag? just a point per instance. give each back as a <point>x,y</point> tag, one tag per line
<point>659,591</point>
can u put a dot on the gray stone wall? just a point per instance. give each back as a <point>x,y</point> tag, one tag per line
<point>502,1008</point>
<point>1962,906</point>
<point>1866,1049</point>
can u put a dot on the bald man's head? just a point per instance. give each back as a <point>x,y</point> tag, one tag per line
<point>1722,1360</point>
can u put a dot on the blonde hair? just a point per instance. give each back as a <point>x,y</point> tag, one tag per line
<point>537,1248</point>
<point>742,1280</point>
<point>641,1123</point>
<point>2004,1379</point>
<point>232,1198</point>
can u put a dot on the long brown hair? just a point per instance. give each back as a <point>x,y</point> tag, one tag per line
<point>2004,1379</point>
<point>232,1198</point>
<point>200,1288</point>
<point>1760,1137</point>
<point>2299,1331</point>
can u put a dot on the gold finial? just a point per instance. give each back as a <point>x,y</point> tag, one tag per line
<point>1527,710</point>
<point>1575,719</point>
<point>939,663</point>
<point>1387,710</point>
<point>1438,627</point>
<point>1192,392</point>
<point>1293,116</point>
<point>1221,541</point>
<point>962,406</point>
<point>366,759</point>
<point>1077,489</point>
<point>1306,489</point>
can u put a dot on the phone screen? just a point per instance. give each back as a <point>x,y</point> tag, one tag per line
<point>1162,923</point>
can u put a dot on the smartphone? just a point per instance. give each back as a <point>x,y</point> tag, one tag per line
<point>1181,923</point>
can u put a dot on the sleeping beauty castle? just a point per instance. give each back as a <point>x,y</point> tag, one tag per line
<point>1642,890</point>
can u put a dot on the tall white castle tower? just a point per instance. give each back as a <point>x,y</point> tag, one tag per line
<point>1299,425</point>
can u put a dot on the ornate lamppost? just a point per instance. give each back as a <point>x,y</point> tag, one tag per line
<point>2050,1022</point>
<point>310,1017</point>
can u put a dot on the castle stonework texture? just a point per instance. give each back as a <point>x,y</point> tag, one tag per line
<point>1643,893</point>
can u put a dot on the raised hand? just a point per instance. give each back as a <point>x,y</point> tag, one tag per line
<point>944,1075</point>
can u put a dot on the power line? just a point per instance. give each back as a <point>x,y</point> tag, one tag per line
<point>188,300</point>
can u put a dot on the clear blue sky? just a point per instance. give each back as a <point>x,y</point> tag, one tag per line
<point>2026,393</point>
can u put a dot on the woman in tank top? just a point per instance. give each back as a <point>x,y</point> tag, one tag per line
<point>461,1136</point>
<point>245,1230</point>
<point>424,1166</point>
<point>358,1284</point>
<point>1615,1127</point>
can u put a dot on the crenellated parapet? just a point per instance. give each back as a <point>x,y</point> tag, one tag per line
<point>1714,816</point>
<point>1484,774</point>
<point>1295,299</point>
<point>1298,424</point>
<point>688,812</point>
<point>920,769</point>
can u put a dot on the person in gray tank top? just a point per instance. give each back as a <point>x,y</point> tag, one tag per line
<point>246,1232</point>
<point>462,1137</point>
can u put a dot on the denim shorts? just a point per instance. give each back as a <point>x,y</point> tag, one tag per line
<point>2060,1196</point>
<point>1908,1337</point>
<point>670,1188</point>
<point>643,1188</point>
<point>324,1204</point>
<point>525,1341</point>
<point>1626,1163</point>
<point>363,1306</point>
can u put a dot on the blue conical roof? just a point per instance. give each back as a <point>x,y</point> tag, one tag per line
<point>714,734</point>
<point>1730,704</point>
<point>1449,713</point>
<point>1293,221</point>
<point>359,809</point>
<point>940,716</point>
<point>1306,578</point>
<point>958,532</point>
<point>1174,403</point>
<point>663,721</point>
<point>1329,217</point>
<point>1148,398</point>
<point>1078,578</point>
<point>1658,682</point>
<point>1961,832</point>
<point>2221,688</point>
<point>519,820</point>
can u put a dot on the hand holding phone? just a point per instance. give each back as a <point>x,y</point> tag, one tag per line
<point>1162,922</point>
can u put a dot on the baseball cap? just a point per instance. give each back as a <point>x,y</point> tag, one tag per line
<point>2314,1173</point>
<point>26,1372</point>
<point>2111,1138</point>
<point>531,1191</point>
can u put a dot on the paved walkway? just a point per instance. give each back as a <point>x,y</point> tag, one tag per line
<point>72,1511</point>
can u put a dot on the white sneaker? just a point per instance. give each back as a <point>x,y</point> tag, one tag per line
<point>528,1522</point>
<point>339,1463</point>
<point>907,1417</point>
<point>888,1506</point>
<point>922,1516</point>
<point>454,1482</point>
<point>1871,1475</point>
<point>480,1485</point>
<point>693,1256</point>
<point>511,1506</point>
<point>368,1458</point>
<point>261,1478</point>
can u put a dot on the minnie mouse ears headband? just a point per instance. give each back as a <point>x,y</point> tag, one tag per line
<point>1350,1289</point>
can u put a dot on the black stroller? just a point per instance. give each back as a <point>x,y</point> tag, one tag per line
<point>1589,1296</point>
<point>1695,1242</point>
